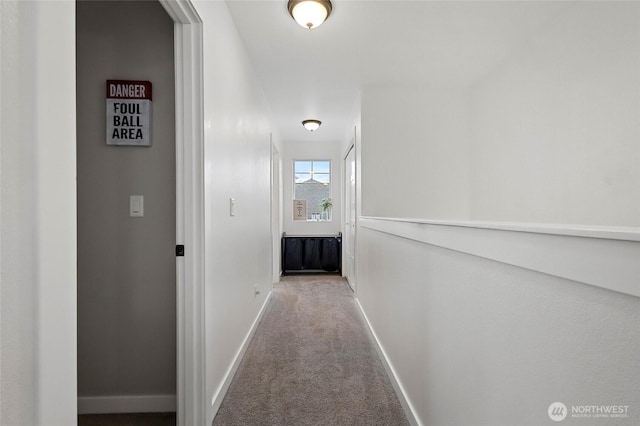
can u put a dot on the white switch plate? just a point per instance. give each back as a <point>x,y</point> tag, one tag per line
<point>136,206</point>
<point>232,206</point>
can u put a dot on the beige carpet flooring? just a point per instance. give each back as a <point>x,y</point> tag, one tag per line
<point>311,362</point>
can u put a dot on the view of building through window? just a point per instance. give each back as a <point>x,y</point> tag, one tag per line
<point>312,182</point>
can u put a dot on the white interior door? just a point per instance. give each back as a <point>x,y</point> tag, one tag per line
<point>350,216</point>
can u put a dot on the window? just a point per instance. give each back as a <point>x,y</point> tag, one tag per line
<point>312,182</point>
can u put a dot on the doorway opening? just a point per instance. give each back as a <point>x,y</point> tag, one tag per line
<point>126,209</point>
<point>163,312</point>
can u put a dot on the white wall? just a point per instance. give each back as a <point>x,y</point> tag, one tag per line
<point>479,335</point>
<point>237,165</point>
<point>126,266</point>
<point>479,342</point>
<point>312,151</point>
<point>554,130</point>
<point>415,161</point>
<point>549,136</point>
<point>38,248</point>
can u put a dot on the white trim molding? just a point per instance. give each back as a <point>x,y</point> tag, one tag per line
<point>181,11</point>
<point>604,232</point>
<point>126,404</point>
<point>408,408</point>
<point>220,393</point>
<point>603,257</point>
<point>190,403</point>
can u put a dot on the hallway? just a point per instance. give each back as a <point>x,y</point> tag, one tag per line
<point>484,176</point>
<point>312,361</point>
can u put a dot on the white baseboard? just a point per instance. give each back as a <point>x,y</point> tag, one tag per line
<point>126,404</point>
<point>397,385</point>
<point>218,396</point>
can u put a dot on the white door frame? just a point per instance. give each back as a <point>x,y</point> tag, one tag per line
<point>349,237</point>
<point>276,214</point>
<point>190,310</point>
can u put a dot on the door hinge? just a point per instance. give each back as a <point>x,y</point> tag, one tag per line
<point>180,250</point>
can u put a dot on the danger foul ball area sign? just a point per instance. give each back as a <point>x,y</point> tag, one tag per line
<point>128,113</point>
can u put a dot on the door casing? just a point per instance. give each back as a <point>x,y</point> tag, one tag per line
<point>190,309</point>
<point>349,224</point>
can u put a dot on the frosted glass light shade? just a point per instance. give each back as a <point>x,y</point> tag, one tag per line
<point>309,13</point>
<point>311,125</point>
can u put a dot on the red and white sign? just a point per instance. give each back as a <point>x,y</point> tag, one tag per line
<point>128,112</point>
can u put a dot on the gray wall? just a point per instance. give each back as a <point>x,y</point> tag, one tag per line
<point>126,266</point>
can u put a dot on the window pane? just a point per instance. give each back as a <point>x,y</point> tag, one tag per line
<point>322,167</point>
<point>302,177</point>
<point>322,177</point>
<point>302,166</point>
<point>314,192</point>
<point>312,182</point>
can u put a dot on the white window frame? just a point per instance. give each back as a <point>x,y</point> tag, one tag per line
<point>293,182</point>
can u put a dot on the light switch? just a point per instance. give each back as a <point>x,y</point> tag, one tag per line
<point>232,206</point>
<point>136,206</point>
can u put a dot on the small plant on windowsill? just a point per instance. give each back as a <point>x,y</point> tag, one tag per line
<point>326,205</point>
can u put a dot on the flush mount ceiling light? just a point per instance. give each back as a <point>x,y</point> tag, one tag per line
<point>311,125</point>
<point>309,13</point>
